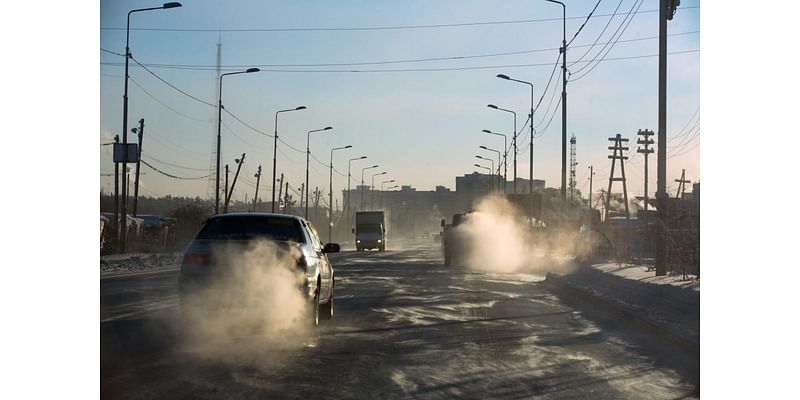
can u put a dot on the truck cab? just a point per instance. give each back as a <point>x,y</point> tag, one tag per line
<point>370,231</point>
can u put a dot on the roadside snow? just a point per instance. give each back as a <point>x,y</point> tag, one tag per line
<point>138,262</point>
<point>645,273</point>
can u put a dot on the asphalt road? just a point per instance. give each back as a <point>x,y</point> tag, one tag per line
<point>405,327</point>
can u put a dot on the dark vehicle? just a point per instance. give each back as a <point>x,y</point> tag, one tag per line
<point>370,230</point>
<point>453,244</point>
<point>209,256</point>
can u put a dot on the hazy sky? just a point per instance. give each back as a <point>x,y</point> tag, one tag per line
<point>422,127</point>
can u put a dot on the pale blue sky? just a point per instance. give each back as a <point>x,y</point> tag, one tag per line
<point>424,128</point>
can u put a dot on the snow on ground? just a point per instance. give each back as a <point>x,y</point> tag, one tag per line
<point>138,262</point>
<point>669,302</point>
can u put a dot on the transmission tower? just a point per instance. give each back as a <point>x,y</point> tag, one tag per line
<point>618,155</point>
<point>646,151</point>
<point>572,165</point>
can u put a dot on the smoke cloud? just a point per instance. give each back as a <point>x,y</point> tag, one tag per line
<point>255,304</point>
<point>496,237</point>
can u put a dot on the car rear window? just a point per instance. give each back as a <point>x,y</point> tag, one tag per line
<point>247,227</point>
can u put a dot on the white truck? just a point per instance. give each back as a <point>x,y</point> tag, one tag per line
<point>370,230</point>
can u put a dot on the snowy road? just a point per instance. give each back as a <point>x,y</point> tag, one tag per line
<point>405,327</point>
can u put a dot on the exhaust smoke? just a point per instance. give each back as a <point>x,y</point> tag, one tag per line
<point>256,300</point>
<point>498,238</point>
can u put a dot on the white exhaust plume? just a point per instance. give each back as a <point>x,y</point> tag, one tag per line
<point>497,238</point>
<point>256,303</point>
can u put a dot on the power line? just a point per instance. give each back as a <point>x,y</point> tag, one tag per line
<point>171,85</point>
<point>162,103</point>
<point>205,67</point>
<point>372,28</point>
<point>173,176</point>
<point>246,124</point>
<point>598,36</point>
<point>610,48</point>
<point>681,132</point>
<point>584,22</point>
<point>173,165</point>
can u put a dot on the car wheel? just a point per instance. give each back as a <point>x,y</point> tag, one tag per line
<point>326,310</point>
<point>314,312</point>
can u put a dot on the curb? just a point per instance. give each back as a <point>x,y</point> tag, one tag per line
<point>683,343</point>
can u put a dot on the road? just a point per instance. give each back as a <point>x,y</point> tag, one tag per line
<point>405,327</point>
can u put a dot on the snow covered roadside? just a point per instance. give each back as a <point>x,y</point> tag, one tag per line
<point>124,264</point>
<point>668,305</point>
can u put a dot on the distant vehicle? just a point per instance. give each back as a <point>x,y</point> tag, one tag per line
<point>453,244</point>
<point>203,265</point>
<point>370,230</point>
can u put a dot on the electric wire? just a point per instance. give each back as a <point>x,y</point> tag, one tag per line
<point>173,176</point>
<point>608,23</point>
<point>584,22</point>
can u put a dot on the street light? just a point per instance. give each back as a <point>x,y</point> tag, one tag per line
<point>563,51</point>
<point>219,131</point>
<point>123,226</point>
<point>330,194</point>
<point>506,77</point>
<point>492,164</point>
<point>498,156</point>
<point>389,181</point>
<point>308,153</point>
<point>505,157</point>
<point>362,184</point>
<point>513,140</point>
<point>275,150</point>
<point>372,189</point>
<point>349,178</point>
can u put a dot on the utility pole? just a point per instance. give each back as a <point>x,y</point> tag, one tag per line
<point>591,175</point>
<point>618,155</point>
<point>646,151</point>
<point>225,210</point>
<point>228,196</point>
<point>681,184</point>
<point>317,193</point>
<point>286,197</point>
<point>280,190</point>
<point>116,195</point>
<point>666,12</point>
<point>258,180</point>
<point>302,188</point>
<point>140,131</point>
<point>572,165</point>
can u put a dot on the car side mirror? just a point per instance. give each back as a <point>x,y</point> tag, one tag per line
<point>331,248</point>
<point>443,222</point>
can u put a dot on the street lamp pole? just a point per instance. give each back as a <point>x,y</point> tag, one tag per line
<point>505,157</point>
<point>491,163</point>
<point>219,132</point>
<point>362,184</point>
<point>506,77</point>
<point>275,150</point>
<point>491,173</point>
<point>308,154</point>
<point>382,183</point>
<point>123,232</point>
<point>372,190</point>
<point>349,162</point>
<point>513,141</point>
<point>330,195</point>
<point>563,51</point>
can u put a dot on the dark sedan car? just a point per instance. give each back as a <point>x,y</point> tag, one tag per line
<point>228,244</point>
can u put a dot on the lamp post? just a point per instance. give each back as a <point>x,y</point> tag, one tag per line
<point>348,180</point>
<point>219,131</point>
<point>563,51</point>
<point>505,157</point>
<point>492,164</point>
<point>490,173</point>
<point>372,189</point>
<point>330,194</point>
<point>513,141</point>
<point>123,233</point>
<point>382,183</point>
<point>308,154</point>
<point>506,77</point>
<point>275,150</point>
<point>362,184</point>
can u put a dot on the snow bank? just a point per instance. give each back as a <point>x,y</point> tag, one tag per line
<point>138,262</point>
<point>668,304</point>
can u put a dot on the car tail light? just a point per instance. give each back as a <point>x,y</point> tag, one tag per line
<point>197,259</point>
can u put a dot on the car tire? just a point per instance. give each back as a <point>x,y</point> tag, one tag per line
<point>326,310</point>
<point>314,312</point>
